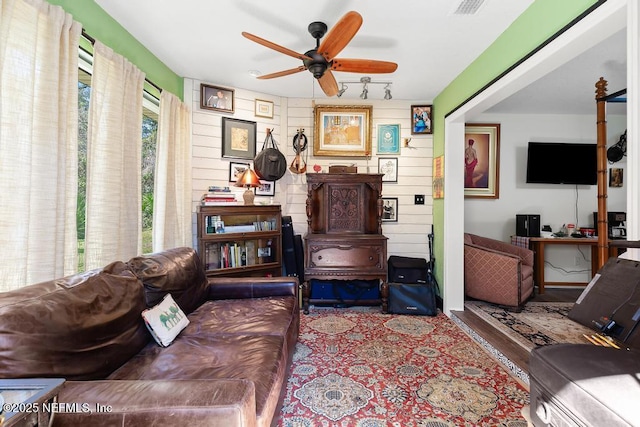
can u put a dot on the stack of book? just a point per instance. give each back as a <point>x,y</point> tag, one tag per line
<point>218,196</point>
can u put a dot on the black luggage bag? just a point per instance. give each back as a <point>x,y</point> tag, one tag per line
<point>410,290</point>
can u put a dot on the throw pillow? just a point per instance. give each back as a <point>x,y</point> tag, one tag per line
<point>165,321</point>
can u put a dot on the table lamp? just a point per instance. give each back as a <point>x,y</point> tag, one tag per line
<point>248,179</point>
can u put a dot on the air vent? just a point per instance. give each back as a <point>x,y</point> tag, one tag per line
<point>468,7</point>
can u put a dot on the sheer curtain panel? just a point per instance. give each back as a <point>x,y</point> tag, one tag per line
<point>114,149</point>
<point>38,142</point>
<point>172,193</point>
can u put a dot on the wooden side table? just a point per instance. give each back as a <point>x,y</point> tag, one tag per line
<point>28,401</point>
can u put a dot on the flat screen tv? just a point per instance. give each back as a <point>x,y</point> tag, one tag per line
<point>561,163</point>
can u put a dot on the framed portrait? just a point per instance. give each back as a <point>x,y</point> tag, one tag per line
<point>216,98</point>
<point>238,138</point>
<point>481,160</point>
<point>421,119</point>
<point>343,131</point>
<point>389,209</point>
<point>615,177</point>
<point>263,108</point>
<point>388,167</point>
<point>388,139</point>
<point>236,169</point>
<point>267,188</point>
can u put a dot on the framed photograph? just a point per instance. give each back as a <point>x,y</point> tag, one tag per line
<point>267,188</point>
<point>236,169</point>
<point>389,209</point>
<point>264,108</point>
<point>482,160</point>
<point>238,138</point>
<point>615,177</point>
<point>216,98</point>
<point>388,167</point>
<point>343,131</point>
<point>388,139</point>
<point>438,177</point>
<point>421,119</point>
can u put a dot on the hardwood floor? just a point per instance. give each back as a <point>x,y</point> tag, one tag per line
<point>511,350</point>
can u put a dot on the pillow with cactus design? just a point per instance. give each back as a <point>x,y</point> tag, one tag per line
<point>165,321</point>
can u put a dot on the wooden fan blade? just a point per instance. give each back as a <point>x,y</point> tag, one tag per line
<point>363,66</point>
<point>340,35</point>
<point>282,73</point>
<point>274,46</point>
<point>328,83</point>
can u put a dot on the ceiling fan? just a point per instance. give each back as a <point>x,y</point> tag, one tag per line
<point>321,60</point>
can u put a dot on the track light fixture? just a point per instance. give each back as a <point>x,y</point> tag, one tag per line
<point>366,81</point>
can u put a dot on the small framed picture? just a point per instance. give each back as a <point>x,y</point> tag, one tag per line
<point>267,188</point>
<point>236,169</point>
<point>264,108</point>
<point>389,209</point>
<point>615,177</point>
<point>388,167</point>
<point>421,119</point>
<point>388,139</point>
<point>238,138</point>
<point>216,98</point>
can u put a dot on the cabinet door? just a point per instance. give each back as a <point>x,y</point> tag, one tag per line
<point>345,256</point>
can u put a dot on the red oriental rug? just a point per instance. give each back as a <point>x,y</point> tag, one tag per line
<point>357,367</point>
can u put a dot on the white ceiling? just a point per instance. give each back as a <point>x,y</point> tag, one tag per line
<point>201,39</point>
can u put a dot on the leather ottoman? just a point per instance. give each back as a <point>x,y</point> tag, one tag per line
<point>584,385</point>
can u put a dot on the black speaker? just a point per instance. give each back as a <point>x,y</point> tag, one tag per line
<point>528,225</point>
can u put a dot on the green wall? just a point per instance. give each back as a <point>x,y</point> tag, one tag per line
<point>535,26</point>
<point>99,25</point>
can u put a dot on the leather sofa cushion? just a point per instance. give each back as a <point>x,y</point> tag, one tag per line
<point>178,271</point>
<point>79,327</point>
<point>260,359</point>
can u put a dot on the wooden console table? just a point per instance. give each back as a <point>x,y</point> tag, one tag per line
<point>538,244</point>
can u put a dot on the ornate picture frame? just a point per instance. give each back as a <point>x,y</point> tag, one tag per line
<point>217,98</point>
<point>342,130</point>
<point>482,160</point>
<point>238,138</point>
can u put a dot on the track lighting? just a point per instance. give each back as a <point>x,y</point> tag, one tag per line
<point>366,81</point>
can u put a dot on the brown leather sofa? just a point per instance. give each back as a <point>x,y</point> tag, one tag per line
<point>497,272</point>
<point>228,367</point>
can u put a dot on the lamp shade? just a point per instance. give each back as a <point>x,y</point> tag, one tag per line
<point>248,179</point>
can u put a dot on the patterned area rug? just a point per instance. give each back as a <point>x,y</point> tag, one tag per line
<point>539,323</point>
<point>357,367</point>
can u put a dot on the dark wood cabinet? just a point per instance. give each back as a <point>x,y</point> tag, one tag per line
<point>344,238</point>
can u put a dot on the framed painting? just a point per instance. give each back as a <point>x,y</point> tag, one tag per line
<point>342,131</point>
<point>438,177</point>
<point>482,160</point>
<point>236,169</point>
<point>216,98</point>
<point>263,108</point>
<point>388,139</point>
<point>421,119</point>
<point>388,167</point>
<point>615,177</point>
<point>267,188</point>
<point>389,209</point>
<point>238,138</point>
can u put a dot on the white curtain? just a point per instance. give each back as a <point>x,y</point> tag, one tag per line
<point>38,142</point>
<point>172,190</point>
<point>114,149</point>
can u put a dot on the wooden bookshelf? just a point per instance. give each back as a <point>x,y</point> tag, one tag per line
<point>240,240</point>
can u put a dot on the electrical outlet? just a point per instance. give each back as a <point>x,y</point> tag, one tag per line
<point>419,199</point>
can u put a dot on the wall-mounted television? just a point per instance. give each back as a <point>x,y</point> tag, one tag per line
<point>562,163</point>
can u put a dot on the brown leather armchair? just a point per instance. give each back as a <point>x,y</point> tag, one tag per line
<point>497,272</point>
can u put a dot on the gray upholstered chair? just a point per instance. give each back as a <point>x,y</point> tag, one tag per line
<point>497,272</point>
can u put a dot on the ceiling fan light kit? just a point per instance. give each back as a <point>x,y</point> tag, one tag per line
<point>321,60</point>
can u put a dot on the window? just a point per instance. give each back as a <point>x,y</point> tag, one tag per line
<point>151,109</point>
